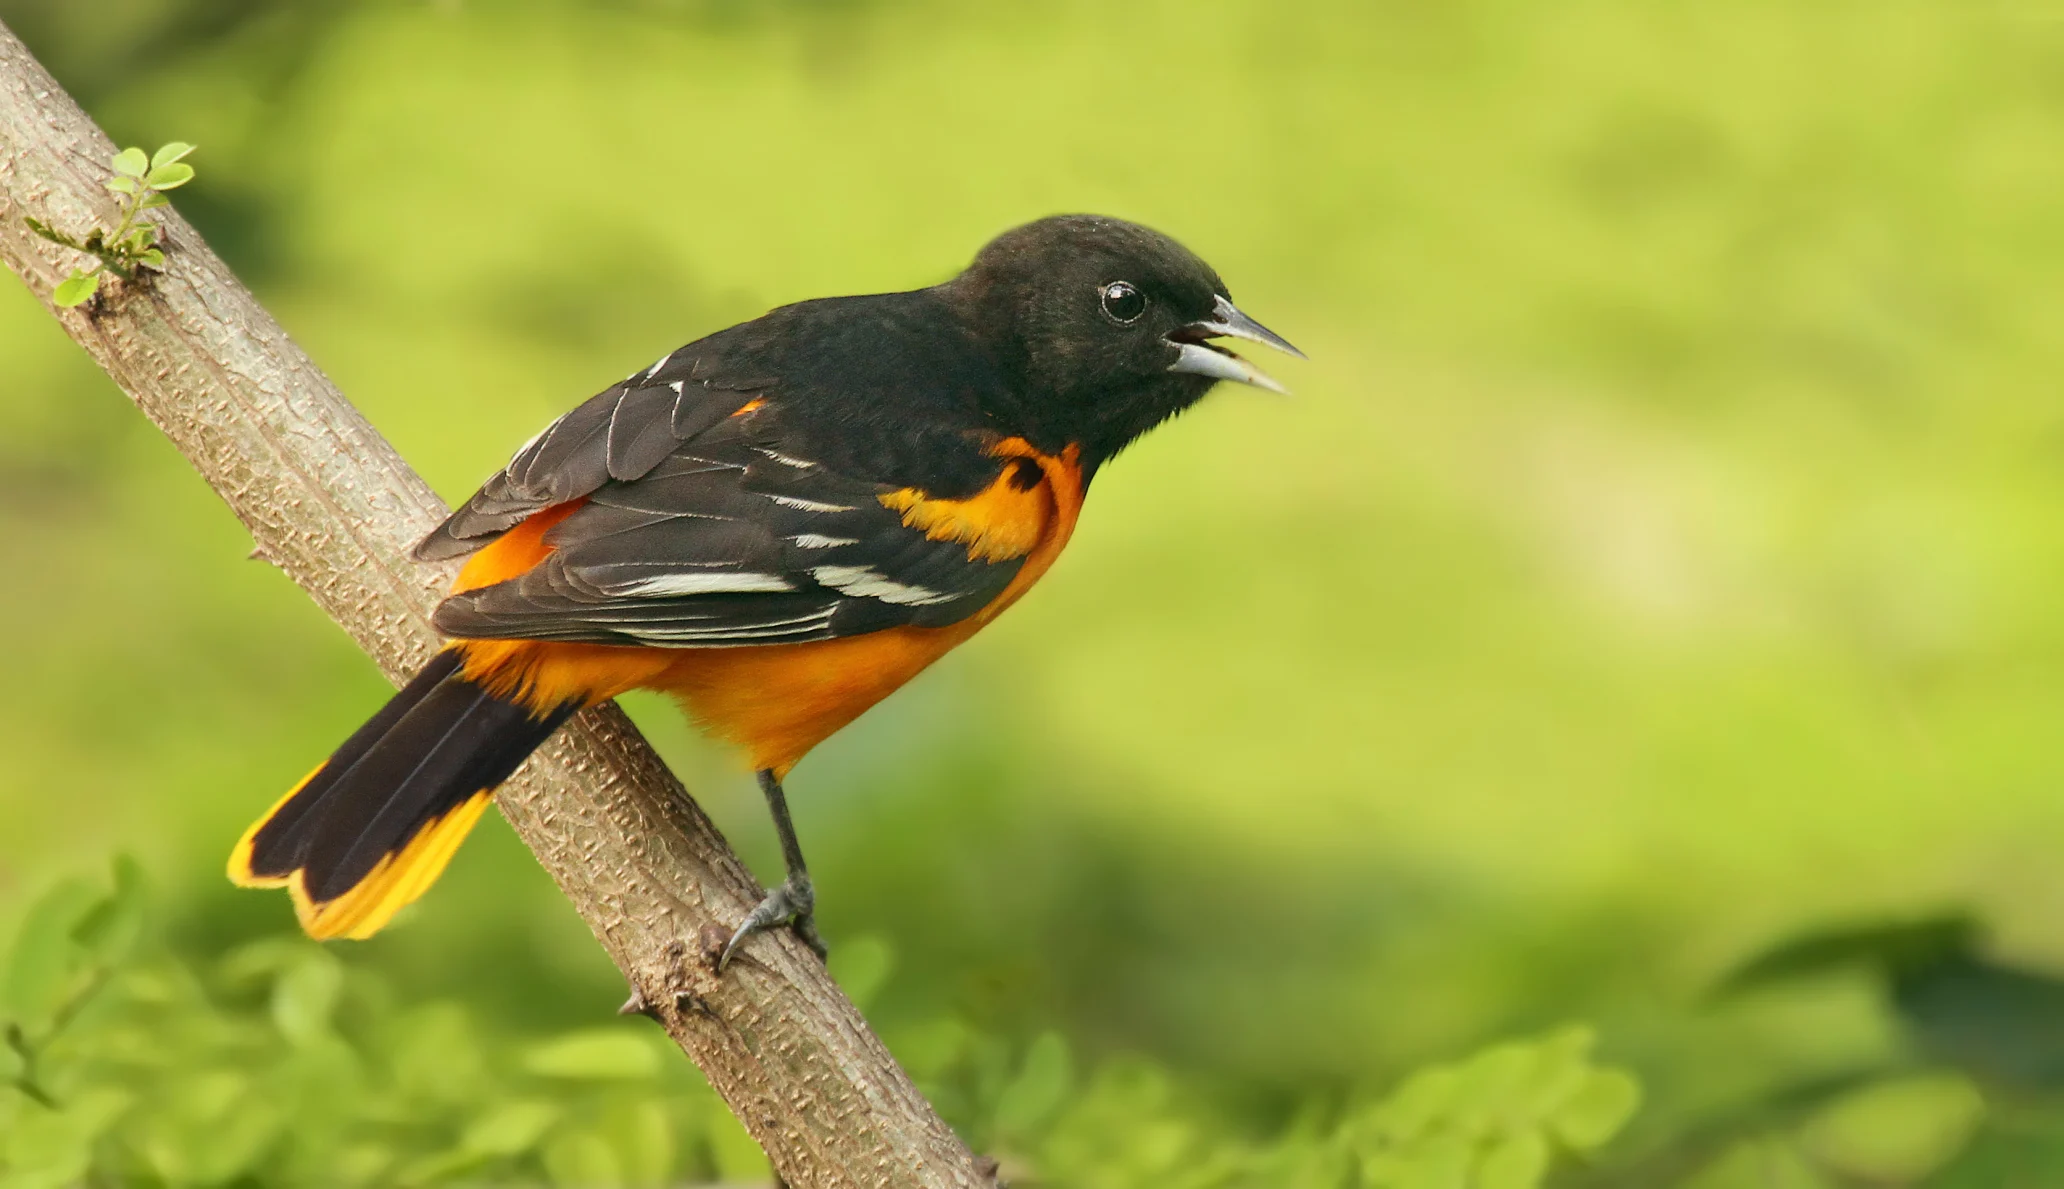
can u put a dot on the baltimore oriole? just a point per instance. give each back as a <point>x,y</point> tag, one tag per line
<point>778,524</point>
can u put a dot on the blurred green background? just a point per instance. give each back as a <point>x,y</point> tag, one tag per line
<point>1661,555</point>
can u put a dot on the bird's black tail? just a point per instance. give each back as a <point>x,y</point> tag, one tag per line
<point>372,828</point>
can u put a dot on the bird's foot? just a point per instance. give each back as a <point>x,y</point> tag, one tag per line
<point>792,904</point>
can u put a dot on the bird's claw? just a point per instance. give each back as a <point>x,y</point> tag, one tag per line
<point>792,904</point>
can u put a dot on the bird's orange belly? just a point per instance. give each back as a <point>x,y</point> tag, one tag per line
<point>778,701</point>
<point>773,701</point>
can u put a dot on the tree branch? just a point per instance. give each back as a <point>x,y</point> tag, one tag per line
<point>330,502</point>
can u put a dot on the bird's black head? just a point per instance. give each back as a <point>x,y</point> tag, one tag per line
<point>1107,324</point>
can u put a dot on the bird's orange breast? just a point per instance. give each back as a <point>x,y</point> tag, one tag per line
<point>778,701</point>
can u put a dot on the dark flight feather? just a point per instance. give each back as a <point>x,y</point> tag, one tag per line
<point>439,742</point>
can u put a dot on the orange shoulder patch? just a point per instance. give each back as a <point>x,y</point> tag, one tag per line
<point>514,552</point>
<point>1004,520</point>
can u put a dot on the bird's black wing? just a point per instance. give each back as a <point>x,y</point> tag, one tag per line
<point>878,386</point>
<point>737,536</point>
<point>619,435</point>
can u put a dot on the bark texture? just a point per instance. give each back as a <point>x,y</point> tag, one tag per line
<point>330,502</point>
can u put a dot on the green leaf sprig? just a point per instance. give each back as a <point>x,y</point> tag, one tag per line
<point>132,244</point>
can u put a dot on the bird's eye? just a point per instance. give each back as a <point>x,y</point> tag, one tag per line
<point>1123,304</point>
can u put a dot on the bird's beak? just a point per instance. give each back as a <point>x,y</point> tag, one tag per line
<point>1198,356</point>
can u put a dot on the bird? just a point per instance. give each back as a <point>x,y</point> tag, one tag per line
<point>778,525</point>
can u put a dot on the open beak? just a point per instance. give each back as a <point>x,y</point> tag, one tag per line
<point>1199,356</point>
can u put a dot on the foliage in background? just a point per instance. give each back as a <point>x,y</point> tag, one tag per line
<point>275,1064</point>
<point>131,245</point>
<point>1975,1095</point>
<point>278,1065</point>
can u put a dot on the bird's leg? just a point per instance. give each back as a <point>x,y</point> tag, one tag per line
<point>794,902</point>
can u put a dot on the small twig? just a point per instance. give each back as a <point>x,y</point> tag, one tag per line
<point>30,1052</point>
<point>129,247</point>
<point>25,1081</point>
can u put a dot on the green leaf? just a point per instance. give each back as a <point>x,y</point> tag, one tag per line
<point>1038,1090</point>
<point>583,1159</point>
<point>132,162</point>
<point>121,185</point>
<point>169,177</point>
<point>1896,1132</point>
<point>595,1053</point>
<point>1518,1161</point>
<point>210,1127</point>
<point>437,1057</point>
<point>305,996</point>
<point>1598,1109</point>
<point>54,1149</point>
<point>77,289</point>
<point>1887,945</point>
<point>261,962</point>
<point>361,1164</point>
<point>152,258</point>
<point>1443,1162</point>
<point>45,962</point>
<point>110,928</point>
<point>169,152</point>
<point>151,200</point>
<point>48,232</point>
<point>510,1130</point>
<point>1417,1105</point>
<point>1515,1087</point>
<point>1487,1085</point>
